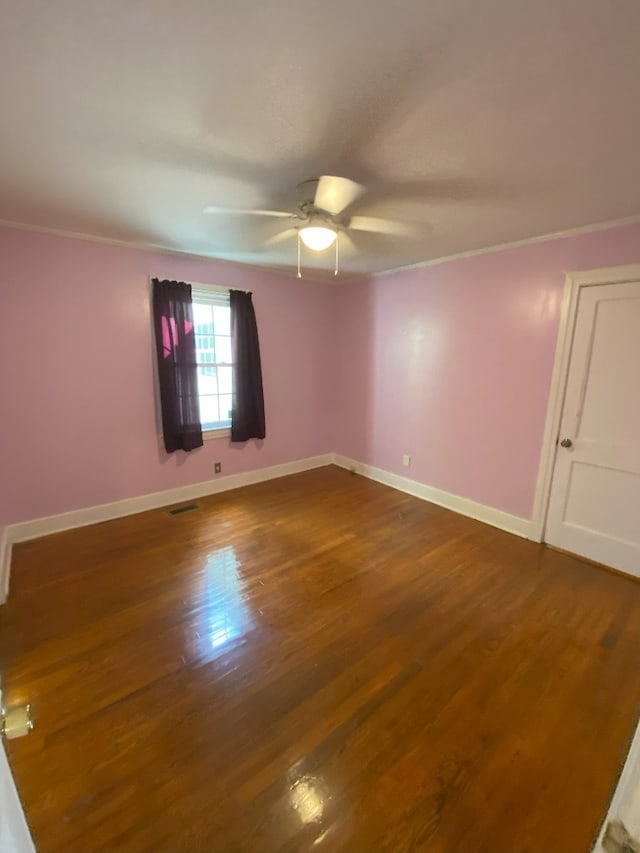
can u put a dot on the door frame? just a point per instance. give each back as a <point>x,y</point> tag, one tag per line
<point>626,794</point>
<point>15,836</point>
<point>573,284</point>
<point>625,802</point>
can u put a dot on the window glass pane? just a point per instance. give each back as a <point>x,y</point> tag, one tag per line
<point>225,407</point>
<point>222,320</point>
<point>213,346</point>
<point>204,343</point>
<point>224,380</point>
<point>201,314</point>
<point>223,350</point>
<point>209,409</point>
<point>207,381</point>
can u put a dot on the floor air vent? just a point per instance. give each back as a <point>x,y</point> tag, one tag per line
<point>178,510</point>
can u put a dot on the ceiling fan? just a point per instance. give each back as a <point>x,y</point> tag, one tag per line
<point>322,215</point>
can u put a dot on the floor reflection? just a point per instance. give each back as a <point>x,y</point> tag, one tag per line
<point>307,799</point>
<point>221,611</point>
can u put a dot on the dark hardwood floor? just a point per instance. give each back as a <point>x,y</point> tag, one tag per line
<point>316,663</point>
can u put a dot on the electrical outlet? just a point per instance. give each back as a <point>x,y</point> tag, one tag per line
<point>217,468</point>
<point>406,460</point>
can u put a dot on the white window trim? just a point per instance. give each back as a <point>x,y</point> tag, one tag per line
<point>205,289</point>
<point>221,432</point>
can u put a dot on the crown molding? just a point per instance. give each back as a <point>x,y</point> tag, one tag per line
<point>514,244</point>
<point>289,272</point>
<point>144,246</point>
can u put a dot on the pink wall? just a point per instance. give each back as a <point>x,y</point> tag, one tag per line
<point>78,421</point>
<point>449,363</point>
<point>452,365</point>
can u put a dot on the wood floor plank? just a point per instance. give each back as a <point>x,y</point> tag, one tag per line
<point>318,662</point>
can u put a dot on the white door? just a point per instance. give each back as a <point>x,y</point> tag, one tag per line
<point>594,508</point>
<point>14,833</point>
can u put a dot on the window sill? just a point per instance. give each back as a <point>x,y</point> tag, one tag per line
<point>208,434</point>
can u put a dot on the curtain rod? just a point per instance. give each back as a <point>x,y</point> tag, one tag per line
<point>218,287</point>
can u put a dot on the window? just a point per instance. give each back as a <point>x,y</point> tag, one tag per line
<point>212,322</point>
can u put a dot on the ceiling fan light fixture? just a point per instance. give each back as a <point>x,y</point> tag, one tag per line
<point>318,237</point>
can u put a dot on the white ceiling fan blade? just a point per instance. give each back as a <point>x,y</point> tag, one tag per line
<point>280,237</point>
<point>335,194</point>
<point>382,226</point>
<point>240,211</point>
<point>346,242</point>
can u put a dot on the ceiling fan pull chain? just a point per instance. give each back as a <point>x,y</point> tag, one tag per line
<point>335,271</point>
<point>299,274</point>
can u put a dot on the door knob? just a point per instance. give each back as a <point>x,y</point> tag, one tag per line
<point>566,442</point>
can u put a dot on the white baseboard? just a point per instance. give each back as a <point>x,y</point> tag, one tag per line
<point>25,530</point>
<point>488,514</point>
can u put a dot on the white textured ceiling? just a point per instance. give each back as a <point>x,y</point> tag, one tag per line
<point>483,121</point>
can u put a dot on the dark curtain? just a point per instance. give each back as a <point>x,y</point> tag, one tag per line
<point>247,414</point>
<point>177,370</point>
